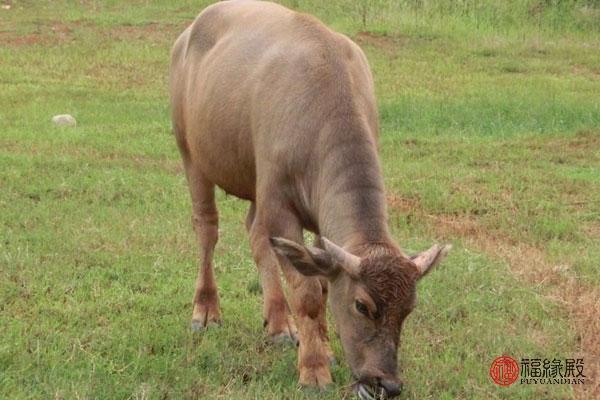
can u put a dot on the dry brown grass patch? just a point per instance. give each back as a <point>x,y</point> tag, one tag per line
<point>581,302</point>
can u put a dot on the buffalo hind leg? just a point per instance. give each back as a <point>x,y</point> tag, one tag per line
<point>278,320</point>
<point>205,220</point>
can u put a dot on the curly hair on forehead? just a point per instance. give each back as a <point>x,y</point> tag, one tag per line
<point>390,279</point>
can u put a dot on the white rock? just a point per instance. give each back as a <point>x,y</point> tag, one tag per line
<point>64,120</point>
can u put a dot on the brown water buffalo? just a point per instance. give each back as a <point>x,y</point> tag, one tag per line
<point>277,109</point>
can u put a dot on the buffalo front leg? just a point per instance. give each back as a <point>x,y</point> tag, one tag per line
<point>277,318</point>
<point>323,320</point>
<point>305,293</point>
<point>205,220</point>
<point>307,300</point>
<point>323,311</point>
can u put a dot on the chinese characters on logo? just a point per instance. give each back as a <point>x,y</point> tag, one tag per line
<point>505,371</point>
<point>556,371</point>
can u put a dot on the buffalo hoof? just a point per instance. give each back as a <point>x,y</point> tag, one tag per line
<point>283,338</point>
<point>316,377</point>
<point>312,391</point>
<point>283,333</point>
<point>332,360</point>
<point>198,325</point>
<point>206,314</point>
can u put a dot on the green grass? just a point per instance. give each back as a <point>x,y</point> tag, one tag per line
<point>490,135</point>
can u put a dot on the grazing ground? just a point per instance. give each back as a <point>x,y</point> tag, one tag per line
<point>490,140</point>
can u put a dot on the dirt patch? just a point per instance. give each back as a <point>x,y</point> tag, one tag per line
<point>580,147</point>
<point>126,32</point>
<point>153,32</point>
<point>52,33</point>
<point>13,40</point>
<point>593,229</point>
<point>402,204</point>
<point>55,33</point>
<point>585,139</point>
<point>591,73</point>
<point>61,28</point>
<point>388,44</point>
<point>530,263</point>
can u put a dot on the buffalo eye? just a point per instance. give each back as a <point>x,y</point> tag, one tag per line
<point>362,308</point>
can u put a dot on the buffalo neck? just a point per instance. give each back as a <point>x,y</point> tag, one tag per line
<point>351,202</point>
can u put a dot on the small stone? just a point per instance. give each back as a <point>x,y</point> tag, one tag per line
<point>6,6</point>
<point>64,120</point>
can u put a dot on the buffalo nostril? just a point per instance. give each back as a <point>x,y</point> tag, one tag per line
<point>392,388</point>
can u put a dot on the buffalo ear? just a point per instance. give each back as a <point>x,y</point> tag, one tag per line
<point>309,261</point>
<point>428,259</point>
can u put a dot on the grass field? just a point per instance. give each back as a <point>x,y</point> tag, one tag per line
<point>490,140</point>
